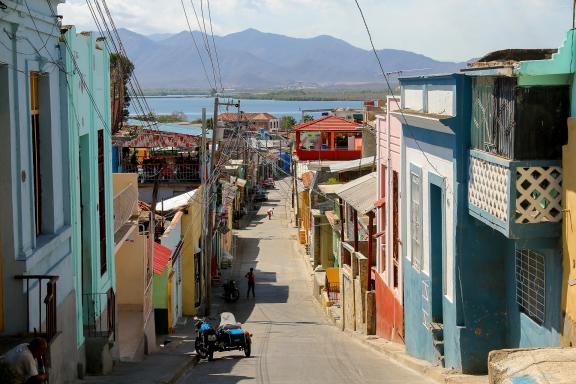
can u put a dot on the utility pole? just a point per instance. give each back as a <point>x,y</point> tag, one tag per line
<point>205,210</point>
<point>212,202</point>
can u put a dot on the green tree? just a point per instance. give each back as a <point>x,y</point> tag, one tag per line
<point>121,70</point>
<point>307,118</point>
<point>287,122</point>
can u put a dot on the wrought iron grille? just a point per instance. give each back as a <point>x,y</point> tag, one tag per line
<point>530,284</point>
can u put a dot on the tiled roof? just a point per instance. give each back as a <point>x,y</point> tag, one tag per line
<point>245,116</point>
<point>161,258</point>
<point>328,123</point>
<point>333,218</point>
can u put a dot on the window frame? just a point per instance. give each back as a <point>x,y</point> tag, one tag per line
<point>416,219</point>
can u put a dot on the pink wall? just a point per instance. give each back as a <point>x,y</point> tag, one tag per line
<point>389,292</point>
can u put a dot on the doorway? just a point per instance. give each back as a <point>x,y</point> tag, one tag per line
<point>437,240</point>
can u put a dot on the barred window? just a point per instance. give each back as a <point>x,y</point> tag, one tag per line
<point>530,284</point>
<point>416,220</point>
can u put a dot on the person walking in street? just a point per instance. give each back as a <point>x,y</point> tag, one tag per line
<point>27,362</point>
<point>251,283</point>
<point>270,213</point>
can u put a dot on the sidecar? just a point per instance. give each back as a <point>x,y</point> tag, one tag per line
<point>231,336</point>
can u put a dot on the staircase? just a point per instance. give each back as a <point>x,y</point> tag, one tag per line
<point>437,330</point>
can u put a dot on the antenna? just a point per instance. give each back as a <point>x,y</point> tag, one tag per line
<point>398,73</point>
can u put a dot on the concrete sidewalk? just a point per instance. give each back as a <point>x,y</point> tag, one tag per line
<point>393,351</point>
<point>165,366</point>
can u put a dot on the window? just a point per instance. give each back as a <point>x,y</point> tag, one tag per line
<point>530,284</point>
<point>36,153</point>
<point>102,203</point>
<point>395,229</point>
<point>416,219</point>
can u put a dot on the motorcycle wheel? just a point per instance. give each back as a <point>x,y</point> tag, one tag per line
<point>248,348</point>
<point>200,351</point>
<point>234,295</point>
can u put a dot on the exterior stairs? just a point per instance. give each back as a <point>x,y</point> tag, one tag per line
<point>437,330</point>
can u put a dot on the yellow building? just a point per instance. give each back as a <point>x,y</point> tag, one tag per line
<point>192,263</point>
<point>133,261</point>
<point>568,337</point>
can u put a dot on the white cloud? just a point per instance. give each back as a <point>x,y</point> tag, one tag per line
<point>442,29</point>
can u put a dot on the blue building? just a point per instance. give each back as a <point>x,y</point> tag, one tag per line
<point>454,269</point>
<point>518,127</point>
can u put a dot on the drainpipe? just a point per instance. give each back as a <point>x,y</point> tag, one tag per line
<point>356,243</point>
<point>370,235</point>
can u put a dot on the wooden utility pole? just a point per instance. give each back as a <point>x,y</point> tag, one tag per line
<point>211,202</point>
<point>205,199</point>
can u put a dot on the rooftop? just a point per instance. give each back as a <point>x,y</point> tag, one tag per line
<point>509,57</point>
<point>328,123</point>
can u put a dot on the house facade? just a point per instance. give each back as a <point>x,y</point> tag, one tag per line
<point>451,270</point>
<point>329,138</point>
<point>37,236</point>
<point>388,276</point>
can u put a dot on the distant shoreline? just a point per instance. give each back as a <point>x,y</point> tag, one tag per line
<point>288,95</point>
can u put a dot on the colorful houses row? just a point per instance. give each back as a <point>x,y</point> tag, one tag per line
<point>85,261</point>
<point>460,241</point>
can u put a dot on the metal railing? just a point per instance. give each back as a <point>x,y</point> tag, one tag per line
<point>333,292</point>
<point>99,314</point>
<point>49,318</point>
<point>125,204</point>
<point>174,171</point>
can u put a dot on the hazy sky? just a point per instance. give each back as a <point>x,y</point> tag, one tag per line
<point>451,30</point>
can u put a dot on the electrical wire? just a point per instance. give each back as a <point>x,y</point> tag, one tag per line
<point>196,46</point>
<point>214,44</point>
<point>387,80</point>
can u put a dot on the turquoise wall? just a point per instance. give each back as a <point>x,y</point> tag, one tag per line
<point>87,90</point>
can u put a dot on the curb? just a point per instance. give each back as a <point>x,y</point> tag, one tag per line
<point>395,352</point>
<point>187,366</point>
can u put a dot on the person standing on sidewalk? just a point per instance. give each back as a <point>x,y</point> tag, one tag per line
<point>270,213</point>
<point>251,283</point>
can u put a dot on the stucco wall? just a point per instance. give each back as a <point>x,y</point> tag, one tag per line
<point>130,262</point>
<point>569,238</point>
<point>191,234</point>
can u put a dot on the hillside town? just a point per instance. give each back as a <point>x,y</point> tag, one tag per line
<point>421,237</point>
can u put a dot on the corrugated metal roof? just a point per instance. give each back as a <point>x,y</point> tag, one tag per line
<point>328,123</point>
<point>360,193</point>
<point>351,165</point>
<point>329,188</point>
<point>161,256</point>
<point>176,202</point>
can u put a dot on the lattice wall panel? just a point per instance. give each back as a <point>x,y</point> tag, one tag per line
<point>488,188</point>
<point>539,195</point>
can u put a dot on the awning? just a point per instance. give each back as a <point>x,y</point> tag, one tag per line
<point>238,181</point>
<point>360,193</point>
<point>352,165</point>
<point>161,258</point>
<point>176,202</point>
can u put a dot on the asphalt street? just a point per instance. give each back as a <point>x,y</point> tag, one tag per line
<point>293,340</point>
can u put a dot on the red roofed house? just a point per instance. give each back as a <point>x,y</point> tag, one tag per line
<point>253,120</point>
<point>329,138</point>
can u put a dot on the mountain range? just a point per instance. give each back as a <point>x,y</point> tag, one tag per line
<point>256,60</point>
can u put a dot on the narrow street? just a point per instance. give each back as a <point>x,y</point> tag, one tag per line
<point>293,341</point>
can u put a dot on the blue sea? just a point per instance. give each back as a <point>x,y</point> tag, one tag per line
<point>192,106</point>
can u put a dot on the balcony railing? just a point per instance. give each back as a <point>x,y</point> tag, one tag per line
<point>125,204</point>
<point>169,172</point>
<point>99,314</point>
<point>47,324</point>
<point>514,196</point>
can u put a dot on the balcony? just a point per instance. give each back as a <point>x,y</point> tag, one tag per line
<point>519,198</point>
<point>174,170</point>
